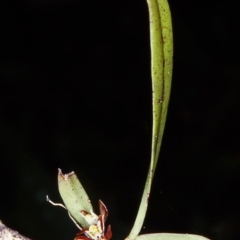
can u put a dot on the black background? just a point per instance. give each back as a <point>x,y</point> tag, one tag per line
<point>76,94</point>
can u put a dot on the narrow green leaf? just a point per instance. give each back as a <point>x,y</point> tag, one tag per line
<point>74,196</point>
<point>170,236</point>
<point>167,43</point>
<point>161,43</point>
<point>157,73</point>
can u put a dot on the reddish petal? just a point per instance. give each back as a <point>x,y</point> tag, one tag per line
<point>108,234</point>
<point>82,238</point>
<point>103,210</point>
<point>102,222</point>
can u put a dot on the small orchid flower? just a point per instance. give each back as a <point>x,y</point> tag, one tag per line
<point>96,224</point>
<point>96,229</point>
<point>79,207</point>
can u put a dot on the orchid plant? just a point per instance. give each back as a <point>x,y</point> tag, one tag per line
<point>77,203</point>
<point>76,200</point>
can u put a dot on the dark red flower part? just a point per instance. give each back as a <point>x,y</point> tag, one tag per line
<point>96,228</point>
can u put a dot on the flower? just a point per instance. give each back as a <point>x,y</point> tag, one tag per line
<point>96,228</point>
<point>92,227</point>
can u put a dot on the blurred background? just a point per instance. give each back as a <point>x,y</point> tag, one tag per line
<point>75,94</point>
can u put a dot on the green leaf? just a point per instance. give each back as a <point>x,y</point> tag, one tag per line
<point>161,92</point>
<point>170,236</point>
<point>161,43</point>
<point>74,196</point>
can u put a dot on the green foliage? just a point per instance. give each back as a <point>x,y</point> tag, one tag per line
<point>161,43</point>
<point>170,236</point>
<point>74,196</point>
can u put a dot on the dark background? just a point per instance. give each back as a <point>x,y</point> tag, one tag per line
<point>76,94</point>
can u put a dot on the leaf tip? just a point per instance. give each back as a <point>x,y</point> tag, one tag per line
<point>64,177</point>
